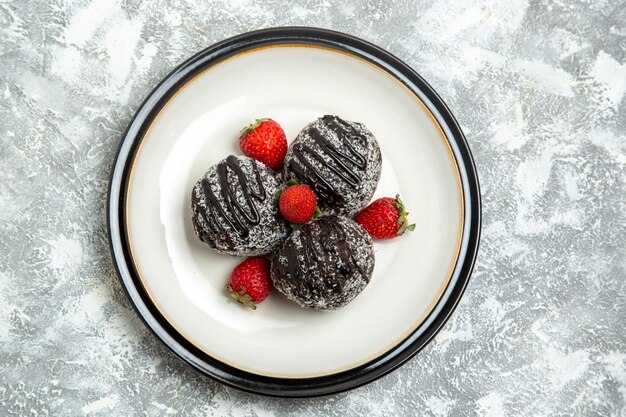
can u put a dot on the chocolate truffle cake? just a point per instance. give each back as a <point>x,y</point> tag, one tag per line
<point>233,209</point>
<point>339,160</point>
<point>324,264</point>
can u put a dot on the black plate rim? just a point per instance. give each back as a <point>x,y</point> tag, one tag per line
<point>276,386</point>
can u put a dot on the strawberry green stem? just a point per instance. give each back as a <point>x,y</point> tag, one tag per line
<point>253,126</point>
<point>403,221</point>
<point>241,297</point>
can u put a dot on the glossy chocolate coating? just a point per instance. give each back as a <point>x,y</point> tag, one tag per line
<point>233,208</point>
<point>324,264</point>
<point>339,160</point>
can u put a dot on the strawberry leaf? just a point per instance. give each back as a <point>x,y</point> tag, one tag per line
<point>403,220</point>
<point>241,297</point>
<point>252,126</point>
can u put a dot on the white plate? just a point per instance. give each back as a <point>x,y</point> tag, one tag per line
<point>293,83</point>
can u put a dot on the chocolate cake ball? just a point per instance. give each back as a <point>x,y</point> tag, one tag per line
<point>324,264</point>
<point>233,208</point>
<point>339,160</point>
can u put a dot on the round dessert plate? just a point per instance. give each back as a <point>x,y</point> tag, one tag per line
<point>191,121</point>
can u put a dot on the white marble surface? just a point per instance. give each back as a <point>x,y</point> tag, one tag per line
<point>538,88</point>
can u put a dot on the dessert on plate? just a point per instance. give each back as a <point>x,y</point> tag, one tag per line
<point>324,264</point>
<point>268,203</point>
<point>233,208</point>
<point>339,160</point>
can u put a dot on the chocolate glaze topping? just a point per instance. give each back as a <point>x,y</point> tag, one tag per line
<point>328,230</point>
<point>344,162</point>
<point>324,264</point>
<point>339,160</point>
<point>233,210</point>
<point>236,213</point>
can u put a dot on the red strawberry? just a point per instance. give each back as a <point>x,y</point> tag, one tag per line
<point>265,141</point>
<point>250,282</point>
<point>385,218</point>
<point>297,204</point>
